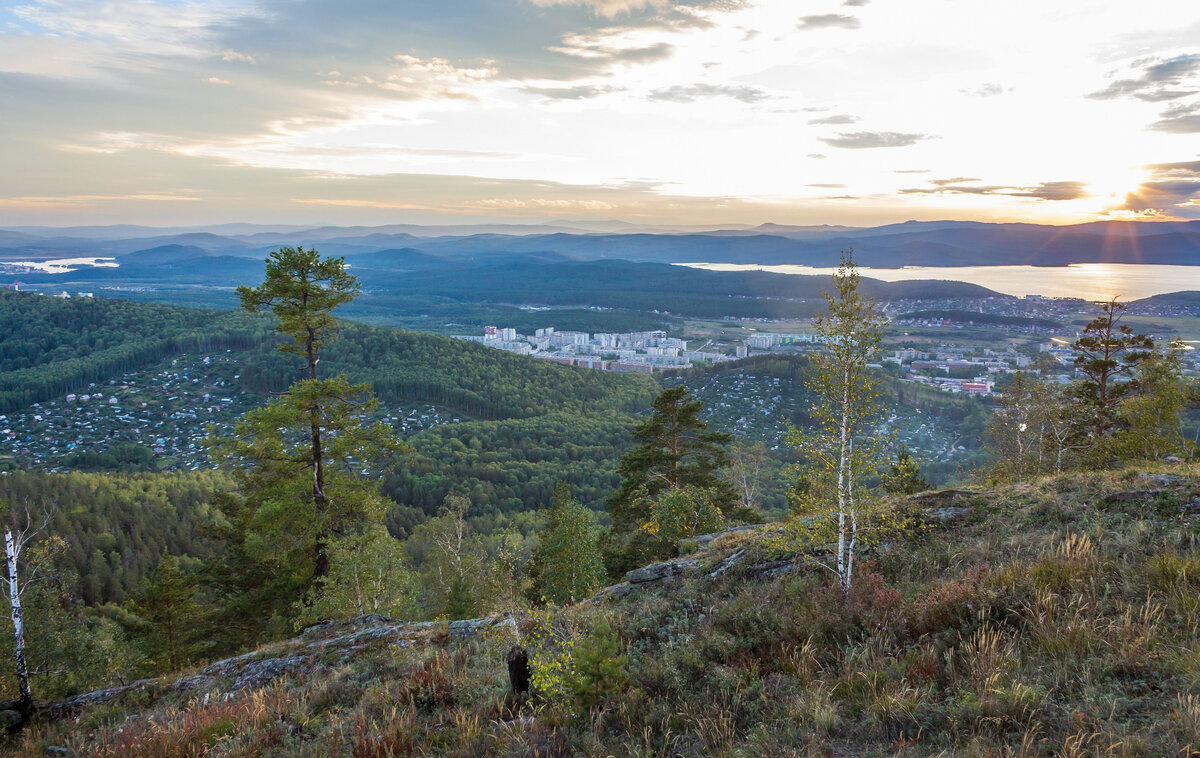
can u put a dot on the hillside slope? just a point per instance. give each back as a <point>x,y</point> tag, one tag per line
<point>1055,617</point>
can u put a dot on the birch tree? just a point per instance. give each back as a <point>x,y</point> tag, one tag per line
<point>22,528</point>
<point>842,446</point>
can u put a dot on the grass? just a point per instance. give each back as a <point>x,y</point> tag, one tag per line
<point>1049,623</point>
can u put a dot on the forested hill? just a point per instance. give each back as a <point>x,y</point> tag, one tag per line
<point>55,345</point>
<point>50,346</point>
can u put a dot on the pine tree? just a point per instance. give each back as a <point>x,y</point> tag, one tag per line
<point>1107,354</point>
<point>302,289</point>
<point>308,463</point>
<point>566,565</point>
<point>167,605</point>
<point>676,451</point>
<point>904,476</point>
<point>461,602</point>
<point>599,666</point>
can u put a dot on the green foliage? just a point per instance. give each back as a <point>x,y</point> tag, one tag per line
<point>599,667</point>
<point>566,566</point>
<point>461,602</point>
<point>116,526</point>
<point>904,476</point>
<point>301,289</point>
<point>52,346</point>
<point>679,513</point>
<point>1107,352</point>
<point>368,574</point>
<point>675,451</point>
<point>1150,417</point>
<point>843,445</point>
<point>170,616</point>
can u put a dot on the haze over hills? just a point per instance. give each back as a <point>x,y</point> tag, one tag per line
<point>941,243</point>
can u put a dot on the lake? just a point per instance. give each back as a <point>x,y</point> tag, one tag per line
<point>1090,281</point>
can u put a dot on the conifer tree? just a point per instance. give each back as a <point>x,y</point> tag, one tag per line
<point>167,605</point>
<point>302,289</point>
<point>1107,354</point>
<point>675,451</point>
<point>566,565</point>
<point>599,666</point>
<point>904,476</point>
<point>308,463</point>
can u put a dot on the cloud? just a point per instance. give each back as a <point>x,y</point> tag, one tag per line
<point>217,80</point>
<point>688,93</point>
<point>856,3</point>
<point>827,186</point>
<point>988,89</point>
<point>1179,119</point>
<point>1177,198</point>
<point>602,51</point>
<point>828,21</point>
<point>959,185</point>
<point>608,8</point>
<point>819,156</point>
<point>834,120</point>
<point>234,55</point>
<point>579,92</point>
<point>1173,191</point>
<point>861,140</point>
<point>1186,169</point>
<point>911,171</point>
<point>1158,81</point>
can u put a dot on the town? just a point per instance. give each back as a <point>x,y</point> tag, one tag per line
<point>165,413</point>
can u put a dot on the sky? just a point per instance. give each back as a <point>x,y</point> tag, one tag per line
<point>738,112</point>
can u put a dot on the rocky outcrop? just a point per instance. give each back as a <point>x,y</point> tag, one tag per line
<point>259,668</point>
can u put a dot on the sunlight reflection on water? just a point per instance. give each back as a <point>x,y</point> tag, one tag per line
<point>1091,281</point>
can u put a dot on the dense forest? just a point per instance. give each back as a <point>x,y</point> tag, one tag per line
<point>54,345</point>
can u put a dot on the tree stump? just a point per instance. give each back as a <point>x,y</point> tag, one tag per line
<point>518,669</point>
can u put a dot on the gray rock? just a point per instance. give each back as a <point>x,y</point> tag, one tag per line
<point>616,591</point>
<point>704,539</point>
<point>949,514</point>
<point>1161,480</point>
<point>229,666</point>
<point>770,569</point>
<point>259,673</point>
<point>471,627</point>
<point>56,750</point>
<point>361,637</point>
<point>658,571</point>
<point>727,564</point>
<point>936,496</point>
<point>11,720</point>
<point>189,683</point>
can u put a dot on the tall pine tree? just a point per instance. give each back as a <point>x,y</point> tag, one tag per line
<point>676,451</point>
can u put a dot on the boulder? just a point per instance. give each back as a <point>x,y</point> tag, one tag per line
<point>949,514</point>
<point>659,571</point>
<point>261,672</point>
<point>10,720</point>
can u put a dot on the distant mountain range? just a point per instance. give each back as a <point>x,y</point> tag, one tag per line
<point>936,243</point>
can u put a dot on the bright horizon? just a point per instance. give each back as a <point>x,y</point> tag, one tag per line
<point>682,112</point>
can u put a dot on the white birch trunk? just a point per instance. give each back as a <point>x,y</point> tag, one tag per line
<point>18,622</point>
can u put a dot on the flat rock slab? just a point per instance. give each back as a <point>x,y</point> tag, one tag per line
<point>704,539</point>
<point>659,571</point>
<point>937,496</point>
<point>949,514</point>
<point>263,671</point>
